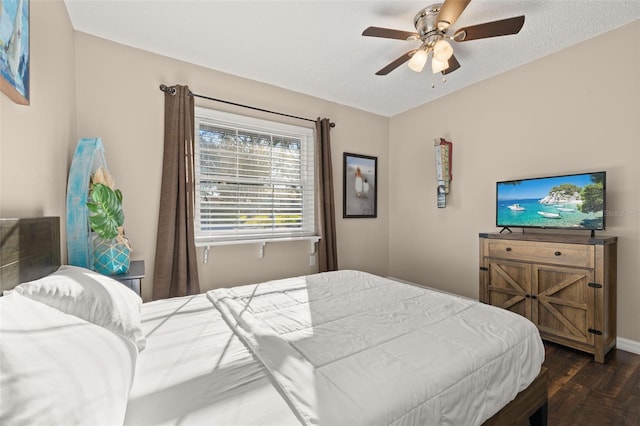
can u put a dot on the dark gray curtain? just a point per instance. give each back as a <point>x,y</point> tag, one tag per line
<point>176,272</point>
<point>327,253</point>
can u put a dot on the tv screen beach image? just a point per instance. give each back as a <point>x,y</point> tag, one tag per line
<point>359,186</point>
<point>574,201</point>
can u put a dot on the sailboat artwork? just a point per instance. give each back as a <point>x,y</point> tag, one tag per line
<point>14,50</point>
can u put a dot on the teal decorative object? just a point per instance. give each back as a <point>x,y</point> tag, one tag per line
<point>88,157</point>
<point>110,247</point>
<point>94,212</point>
<point>110,257</point>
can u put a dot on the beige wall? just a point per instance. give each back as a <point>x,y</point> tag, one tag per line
<point>559,114</point>
<point>118,100</point>
<point>36,141</point>
<point>563,113</point>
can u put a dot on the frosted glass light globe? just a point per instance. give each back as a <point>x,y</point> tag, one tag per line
<point>417,61</point>
<point>442,50</point>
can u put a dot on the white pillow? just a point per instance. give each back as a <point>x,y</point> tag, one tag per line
<point>58,369</point>
<point>91,296</point>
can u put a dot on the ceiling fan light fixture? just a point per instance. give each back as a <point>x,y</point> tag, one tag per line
<point>418,60</point>
<point>438,66</point>
<point>432,24</point>
<point>442,50</point>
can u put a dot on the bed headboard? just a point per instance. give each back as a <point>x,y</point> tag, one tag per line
<point>29,249</point>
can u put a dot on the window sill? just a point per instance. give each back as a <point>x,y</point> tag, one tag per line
<point>313,239</point>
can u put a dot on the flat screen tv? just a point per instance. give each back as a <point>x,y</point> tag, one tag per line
<point>575,201</point>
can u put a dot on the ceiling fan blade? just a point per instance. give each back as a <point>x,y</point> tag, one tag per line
<point>395,64</point>
<point>453,65</point>
<point>389,33</point>
<point>450,12</point>
<point>490,29</point>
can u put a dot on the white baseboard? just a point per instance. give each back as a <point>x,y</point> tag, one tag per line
<point>628,345</point>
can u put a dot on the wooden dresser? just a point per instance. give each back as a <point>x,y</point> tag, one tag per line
<point>565,284</point>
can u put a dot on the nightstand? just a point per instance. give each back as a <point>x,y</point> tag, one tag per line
<point>133,277</point>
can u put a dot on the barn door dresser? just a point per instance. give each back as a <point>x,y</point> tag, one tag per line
<point>565,284</point>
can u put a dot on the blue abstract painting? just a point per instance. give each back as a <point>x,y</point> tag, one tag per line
<point>14,50</point>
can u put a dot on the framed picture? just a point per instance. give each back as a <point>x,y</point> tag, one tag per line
<point>14,50</point>
<point>360,186</point>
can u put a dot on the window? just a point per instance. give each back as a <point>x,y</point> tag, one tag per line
<point>254,179</point>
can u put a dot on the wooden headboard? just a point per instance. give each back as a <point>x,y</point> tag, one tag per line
<point>29,249</point>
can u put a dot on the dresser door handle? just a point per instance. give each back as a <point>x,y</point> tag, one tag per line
<point>508,249</point>
<point>557,253</point>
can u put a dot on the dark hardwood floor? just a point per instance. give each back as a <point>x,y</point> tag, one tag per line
<point>583,392</point>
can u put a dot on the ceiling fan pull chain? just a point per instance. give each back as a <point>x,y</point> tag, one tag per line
<point>444,80</point>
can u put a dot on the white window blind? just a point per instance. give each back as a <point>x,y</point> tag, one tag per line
<point>254,179</point>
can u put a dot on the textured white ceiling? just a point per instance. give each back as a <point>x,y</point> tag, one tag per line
<point>316,47</point>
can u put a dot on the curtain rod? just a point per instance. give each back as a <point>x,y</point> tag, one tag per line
<point>172,91</point>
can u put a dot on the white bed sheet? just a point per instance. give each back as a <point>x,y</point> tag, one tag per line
<point>350,348</point>
<point>57,369</point>
<point>194,371</point>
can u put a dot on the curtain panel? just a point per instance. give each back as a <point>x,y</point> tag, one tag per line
<point>327,252</point>
<point>175,271</point>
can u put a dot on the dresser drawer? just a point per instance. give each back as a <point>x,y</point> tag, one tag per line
<point>543,252</point>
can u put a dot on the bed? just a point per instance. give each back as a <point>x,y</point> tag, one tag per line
<point>279,353</point>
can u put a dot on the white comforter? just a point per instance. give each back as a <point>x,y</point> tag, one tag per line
<point>350,348</point>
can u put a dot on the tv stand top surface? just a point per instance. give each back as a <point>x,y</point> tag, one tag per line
<point>549,237</point>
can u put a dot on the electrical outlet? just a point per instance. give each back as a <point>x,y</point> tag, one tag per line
<point>312,260</point>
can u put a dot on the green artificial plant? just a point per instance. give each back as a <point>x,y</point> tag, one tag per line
<point>106,217</point>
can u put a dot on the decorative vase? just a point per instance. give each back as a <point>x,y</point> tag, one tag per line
<point>110,257</point>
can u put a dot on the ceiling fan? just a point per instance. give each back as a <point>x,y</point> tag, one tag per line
<point>432,25</point>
